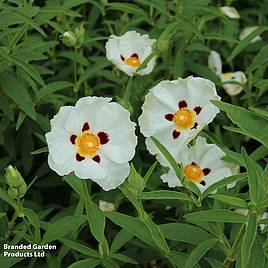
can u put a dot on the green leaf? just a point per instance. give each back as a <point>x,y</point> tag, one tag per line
<point>149,172</point>
<point>122,237</point>
<point>179,259</point>
<point>253,176</point>
<point>184,233</point>
<point>199,252</point>
<point>259,59</point>
<point>235,201</point>
<point>133,225</point>
<point>165,194</point>
<point>62,227</point>
<point>5,107</point>
<point>249,238</point>
<point>4,196</point>
<point>76,184</point>
<point>248,121</point>
<point>41,150</point>
<point>80,248</point>
<point>16,91</point>
<point>32,216</point>
<point>123,258</point>
<point>245,42</point>
<point>85,263</point>
<point>216,215</point>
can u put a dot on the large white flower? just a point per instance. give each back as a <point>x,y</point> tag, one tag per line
<point>175,111</point>
<point>233,82</point>
<point>95,139</point>
<point>201,164</point>
<point>247,31</point>
<point>128,52</point>
<point>214,62</point>
<point>230,12</point>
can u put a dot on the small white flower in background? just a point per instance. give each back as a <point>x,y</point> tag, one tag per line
<point>244,212</point>
<point>201,164</point>
<point>230,12</point>
<point>214,62</point>
<point>233,82</point>
<point>175,111</point>
<point>106,206</point>
<point>127,52</point>
<point>247,31</point>
<point>95,139</point>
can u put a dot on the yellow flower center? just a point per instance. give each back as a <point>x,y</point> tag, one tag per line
<point>133,61</point>
<point>194,173</point>
<point>184,118</point>
<point>88,144</point>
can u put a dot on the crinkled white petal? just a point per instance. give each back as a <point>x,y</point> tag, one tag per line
<point>233,89</point>
<point>59,119</point>
<point>247,31</point>
<point>230,12</point>
<point>214,62</point>
<point>171,179</point>
<point>126,45</point>
<point>63,169</point>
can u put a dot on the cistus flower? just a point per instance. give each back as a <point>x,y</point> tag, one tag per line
<point>95,139</point>
<point>247,31</point>
<point>230,12</point>
<point>232,82</point>
<point>175,111</point>
<point>127,52</point>
<point>201,164</point>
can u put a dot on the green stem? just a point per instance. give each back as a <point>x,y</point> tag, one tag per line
<point>127,93</point>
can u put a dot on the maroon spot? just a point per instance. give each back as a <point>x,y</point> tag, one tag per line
<point>169,117</point>
<point>122,58</point>
<point>193,164</point>
<point>135,55</point>
<point>176,134</point>
<point>195,126</point>
<point>182,104</point>
<point>96,158</point>
<point>79,158</point>
<point>206,171</point>
<point>203,183</point>
<point>86,127</point>
<point>104,138</point>
<point>73,138</point>
<point>197,109</point>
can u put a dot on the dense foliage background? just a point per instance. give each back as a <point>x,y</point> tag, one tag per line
<point>39,74</point>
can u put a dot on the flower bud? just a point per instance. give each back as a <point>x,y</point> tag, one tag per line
<point>22,189</point>
<point>69,39</point>
<point>135,180</point>
<point>13,177</point>
<point>79,34</point>
<point>13,192</point>
<point>163,45</point>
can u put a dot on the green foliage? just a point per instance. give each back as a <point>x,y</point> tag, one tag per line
<point>52,52</point>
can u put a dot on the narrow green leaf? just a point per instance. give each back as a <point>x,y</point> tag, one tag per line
<point>85,263</point>
<point>235,201</point>
<point>122,237</point>
<point>32,216</point>
<point>150,172</point>
<point>41,150</point>
<point>199,252</point>
<point>4,196</point>
<point>123,258</point>
<point>165,194</point>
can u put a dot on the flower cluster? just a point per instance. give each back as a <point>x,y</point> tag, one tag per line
<point>95,139</point>
<point>233,82</point>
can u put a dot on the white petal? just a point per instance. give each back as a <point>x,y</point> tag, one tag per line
<point>214,62</point>
<point>59,119</point>
<point>171,179</point>
<point>61,169</point>
<point>231,88</point>
<point>59,145</point>
<point>247,31</point>
<point>230,12</point>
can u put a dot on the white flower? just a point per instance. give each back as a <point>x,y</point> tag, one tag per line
<point>175,111</point>
<point>201,164</point>
<point>214,62</point>
<point>244,212</point>
<point>230,12</point>
<point>247,31</point>
<point>95,139</point>
<point>128,52</point>
<point>106,206</point>
<point>233,82</point>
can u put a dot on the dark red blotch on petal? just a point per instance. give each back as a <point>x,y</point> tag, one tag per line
<point>73,138</point>
<point>203,183</point>
<point>195,125</point>
<point>176,134</point>
<point>96,158</point>
<point>103,136</point>
<point>135,55</point>
<point>85,126</point>
<point>206,171</point>
<point>122,58</point>
<point>79,158</point>
<point>197,109</point>
<point>169,117</point>
<point>182,104</point>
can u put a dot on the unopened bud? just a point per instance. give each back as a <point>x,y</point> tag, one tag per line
<point>13,192</point>
<point>22,189</point>
<point>163,45</point>
<point>80,34</point>
<point>69,39</point>
<point>13,177</point>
